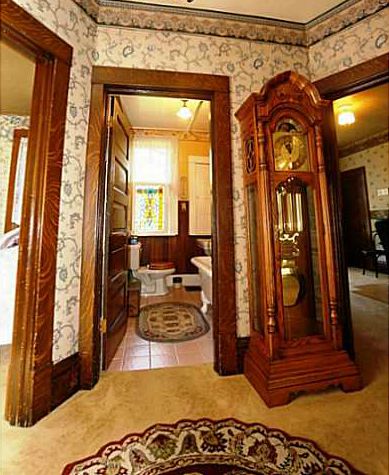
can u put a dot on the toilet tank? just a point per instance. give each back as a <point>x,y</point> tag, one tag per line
<point>134,256</point>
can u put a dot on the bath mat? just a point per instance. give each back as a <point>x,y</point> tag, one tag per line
<point>377,291</point>
<point>205,447</point>
<point>171,322</point>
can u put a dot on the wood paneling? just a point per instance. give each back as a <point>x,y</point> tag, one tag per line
<point>215,89</point>
<point>178,249</point>
<point>29,390</point>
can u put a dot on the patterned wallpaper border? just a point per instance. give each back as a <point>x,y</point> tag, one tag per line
<point>363,144</point>
<point>379,214</point>
<point>180,20</point>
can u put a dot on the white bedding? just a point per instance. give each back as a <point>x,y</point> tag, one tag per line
<point>8,268</point>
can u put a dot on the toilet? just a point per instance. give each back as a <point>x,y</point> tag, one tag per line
<point>153,276</point>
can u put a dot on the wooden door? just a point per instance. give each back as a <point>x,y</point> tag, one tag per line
<point>200,195</point>
<point>118,210</point>
<point>356,215</point>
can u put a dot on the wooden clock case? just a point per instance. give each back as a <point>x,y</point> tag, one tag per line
<point>295,329</point>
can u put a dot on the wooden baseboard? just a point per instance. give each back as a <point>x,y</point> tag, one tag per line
<point>65,379</point>
<point>242,347</point>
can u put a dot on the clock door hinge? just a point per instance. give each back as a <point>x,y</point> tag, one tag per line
<point>103,325</point>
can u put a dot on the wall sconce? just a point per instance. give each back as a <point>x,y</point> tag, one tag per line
<point>184,112</point>
<point>346,115</point>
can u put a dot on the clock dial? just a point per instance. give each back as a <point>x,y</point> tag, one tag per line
<point>289,147</point>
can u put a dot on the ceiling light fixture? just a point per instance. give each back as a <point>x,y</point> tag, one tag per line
<point>346,115</point>
<point>184,112</point>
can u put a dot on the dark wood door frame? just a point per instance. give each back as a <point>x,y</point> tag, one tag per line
<point>29,389</point>
<point>106,80</point>
<point>358,78</point>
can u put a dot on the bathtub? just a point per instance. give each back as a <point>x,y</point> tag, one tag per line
<point>204,265</point>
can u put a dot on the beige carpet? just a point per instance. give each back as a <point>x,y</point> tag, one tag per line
<point>353,426</point>
<point>379,291</point>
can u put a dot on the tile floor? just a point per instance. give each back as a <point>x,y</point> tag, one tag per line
<point>135,353</point>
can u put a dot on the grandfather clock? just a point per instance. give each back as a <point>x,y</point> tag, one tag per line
<point>296,331</point>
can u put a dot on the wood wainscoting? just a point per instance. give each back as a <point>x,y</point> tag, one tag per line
<point>177,249</point>
<point>29,388</point>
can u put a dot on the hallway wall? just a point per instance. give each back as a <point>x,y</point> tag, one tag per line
<point>249,64</point>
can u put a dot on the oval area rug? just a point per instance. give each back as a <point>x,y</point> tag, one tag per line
<point>171,322</point>
<point>207,447</point>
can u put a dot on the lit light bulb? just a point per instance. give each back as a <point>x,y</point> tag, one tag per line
<point>345,115</point>
<point>184,113</point>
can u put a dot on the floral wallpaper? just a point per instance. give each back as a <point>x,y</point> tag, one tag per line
<point>248,63</point>
<point>353,45</point>
<point>376,163</point>
<point>8,123</point>
<point>71,24</point>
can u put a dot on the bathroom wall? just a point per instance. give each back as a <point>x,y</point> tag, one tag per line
<point>8,123</point>
<point>248,63</point>
<point>181,248</point>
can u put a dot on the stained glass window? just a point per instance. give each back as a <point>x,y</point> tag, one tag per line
<point>154,177</point>
<point>149,208</point>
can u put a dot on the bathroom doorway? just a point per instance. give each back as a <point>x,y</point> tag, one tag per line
<point>160,200</point>
<point>106,82</point>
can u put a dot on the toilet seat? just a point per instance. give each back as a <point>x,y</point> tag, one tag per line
<point>161,265</point>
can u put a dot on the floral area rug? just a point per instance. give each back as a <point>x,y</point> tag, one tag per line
<point>171,322</point>
<point>207,447</point>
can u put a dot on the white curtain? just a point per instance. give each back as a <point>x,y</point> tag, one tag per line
<point>155,162</point>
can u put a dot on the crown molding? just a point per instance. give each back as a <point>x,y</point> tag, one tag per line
<point>119,13</point>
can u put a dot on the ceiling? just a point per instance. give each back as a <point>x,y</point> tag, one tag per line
<point>289,10</point>
<point>371,109</point>
<point>16,81</point>
<point>161,113</point>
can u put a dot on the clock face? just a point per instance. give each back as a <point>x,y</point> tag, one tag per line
<point>289,147</point>
<point>289,152</point>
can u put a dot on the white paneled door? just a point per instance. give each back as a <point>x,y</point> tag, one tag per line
<point>200,196</point>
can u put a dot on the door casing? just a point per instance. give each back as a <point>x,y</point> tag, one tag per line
<point>29,394</point>
<point>350,81</point>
